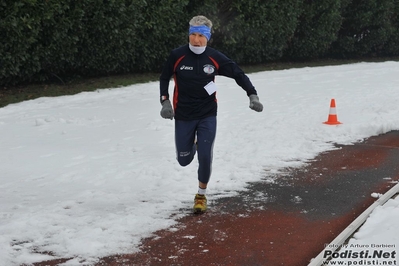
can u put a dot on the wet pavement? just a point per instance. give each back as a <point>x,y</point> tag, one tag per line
<point>286,222</point>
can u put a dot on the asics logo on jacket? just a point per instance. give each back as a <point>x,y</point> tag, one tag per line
<point>186,68</point>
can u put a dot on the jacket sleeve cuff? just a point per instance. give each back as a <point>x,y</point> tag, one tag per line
<point>164,98</point>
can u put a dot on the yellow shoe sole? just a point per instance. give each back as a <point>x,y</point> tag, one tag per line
<point>199,210</point>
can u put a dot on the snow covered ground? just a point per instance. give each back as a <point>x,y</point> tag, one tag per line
<point>89,175</point>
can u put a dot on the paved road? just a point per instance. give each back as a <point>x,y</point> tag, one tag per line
<point>283,223</point>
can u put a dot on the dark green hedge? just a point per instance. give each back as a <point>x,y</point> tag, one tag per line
<point>60,39</point>
<point>367,26</point>
<point>50,39</point>
<point>317,28</point>
<point>392,45</point>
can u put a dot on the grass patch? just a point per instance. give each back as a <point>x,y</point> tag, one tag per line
<point>17,94</point>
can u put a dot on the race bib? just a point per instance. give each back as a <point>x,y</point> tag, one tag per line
<point>210,87</point>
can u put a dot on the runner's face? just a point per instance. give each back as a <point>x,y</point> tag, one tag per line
<point>197,39</point>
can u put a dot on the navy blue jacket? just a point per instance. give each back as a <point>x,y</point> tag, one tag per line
<point>191,73</point>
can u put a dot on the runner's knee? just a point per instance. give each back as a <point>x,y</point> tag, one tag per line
<point>185,158</point>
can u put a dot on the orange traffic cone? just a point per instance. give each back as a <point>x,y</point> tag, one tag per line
<point>332,117</point>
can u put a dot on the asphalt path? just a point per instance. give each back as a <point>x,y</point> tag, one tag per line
<point>286,222</point>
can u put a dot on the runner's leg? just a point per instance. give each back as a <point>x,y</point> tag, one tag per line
<point>206,132</point>
<point>184,140</point>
